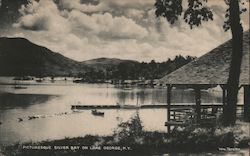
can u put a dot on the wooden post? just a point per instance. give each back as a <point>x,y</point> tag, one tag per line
<point>224,102</point>
<point>198,103</point>
<point>247,103</point>
<point>169,87</point>
<point>224,97</point>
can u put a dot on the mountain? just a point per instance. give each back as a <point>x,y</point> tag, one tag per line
<point>18,56</point>
<point>104,63</point>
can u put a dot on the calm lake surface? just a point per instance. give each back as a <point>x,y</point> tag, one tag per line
<point>51,103</point>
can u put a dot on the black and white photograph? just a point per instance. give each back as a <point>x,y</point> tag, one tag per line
<point>124,78</point>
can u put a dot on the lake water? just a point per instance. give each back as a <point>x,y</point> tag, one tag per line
<point>51,102</point>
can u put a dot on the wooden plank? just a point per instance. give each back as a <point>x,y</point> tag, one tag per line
<point>181,108</point>
<point>174,123</point>
<point>95,107</point>
<point>153,106</point>
<point>173,107</point>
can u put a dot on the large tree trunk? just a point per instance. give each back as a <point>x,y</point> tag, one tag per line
<point>235,66</point>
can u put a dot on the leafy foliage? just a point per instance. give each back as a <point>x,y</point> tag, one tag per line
<point>226,25</point>
<point>170,9</point>
<point>135,71</point>
<point>210,138</point>
<point>193,15</point>
<point>130,132</point>
<point>196,12</point>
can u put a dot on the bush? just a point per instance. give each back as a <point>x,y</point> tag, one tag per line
<point>130,132</point>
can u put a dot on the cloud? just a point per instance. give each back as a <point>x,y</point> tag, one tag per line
<point>104,5</point>
<point>77,5</point>
<point>42,15</point>
<point>108,26</point>
<point>127,29</point>
<point>134,13</point>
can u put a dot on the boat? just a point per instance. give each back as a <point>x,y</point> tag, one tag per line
<point>20,119</point>
<point>75,110</point>
<point>19,87</point>
<point>33,117</point>
<point>97,113</point>
<point>78,81</point>
<point>23,78</point>
<point>39,80</point>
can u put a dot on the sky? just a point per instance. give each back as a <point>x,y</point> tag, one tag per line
<point>125,29</point>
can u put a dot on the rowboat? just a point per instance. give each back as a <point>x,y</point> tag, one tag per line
<point>97,113</point>
<point>39,80</point>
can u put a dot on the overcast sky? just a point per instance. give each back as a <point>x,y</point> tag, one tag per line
<point>126,29</point>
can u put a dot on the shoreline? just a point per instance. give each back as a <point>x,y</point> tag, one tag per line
<point>200,141</point>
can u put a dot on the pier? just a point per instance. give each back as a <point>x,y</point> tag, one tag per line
<point>148,106</point>
<point>116,106</point>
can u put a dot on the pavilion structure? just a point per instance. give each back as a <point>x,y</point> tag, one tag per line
<point>211,69</point>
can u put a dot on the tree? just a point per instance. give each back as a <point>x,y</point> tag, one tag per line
<point>197,12</point>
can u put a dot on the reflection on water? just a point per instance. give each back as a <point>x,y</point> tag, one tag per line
<point>51,105</point>
<point>10,100</point>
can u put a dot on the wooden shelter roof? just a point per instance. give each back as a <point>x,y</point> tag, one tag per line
<point>211,68</point>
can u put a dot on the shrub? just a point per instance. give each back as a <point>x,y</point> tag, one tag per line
<point>130,132</point>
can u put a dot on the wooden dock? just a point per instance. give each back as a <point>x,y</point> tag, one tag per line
<point>148,106</point>
<point>95,107</point>
<point>116,106</point>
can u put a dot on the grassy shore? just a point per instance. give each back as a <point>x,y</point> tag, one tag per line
<point>131,139</point>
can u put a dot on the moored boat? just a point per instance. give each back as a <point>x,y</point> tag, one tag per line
<point>97,113</point>
<point>39,80</point>
<point>19,87</point>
